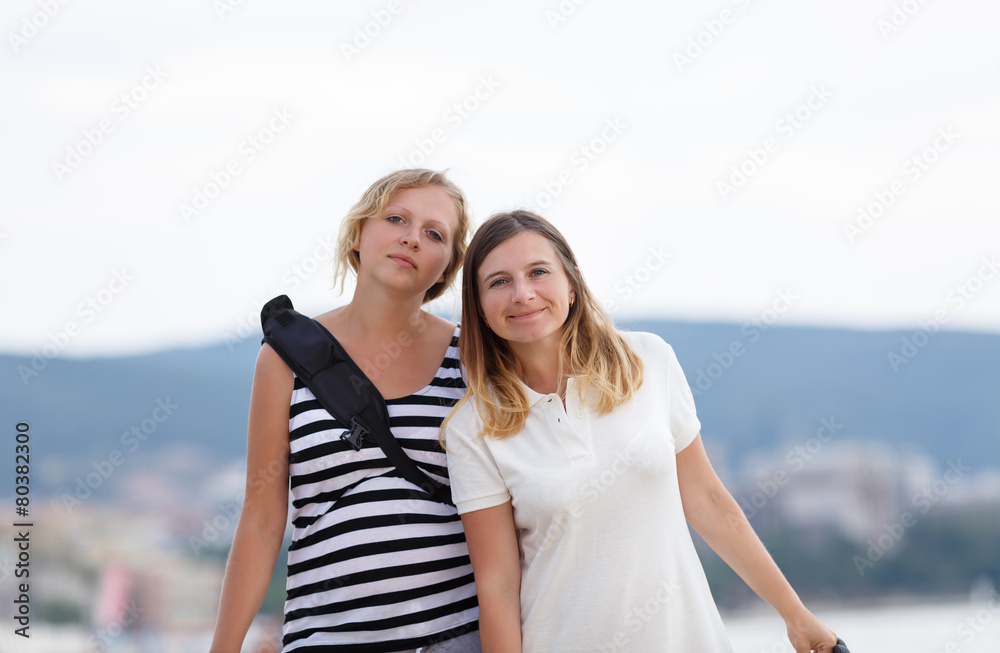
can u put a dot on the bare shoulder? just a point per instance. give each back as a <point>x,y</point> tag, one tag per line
<point>269,361</point>
<point>267,441</point>
<point>439,329</point>
<point>333,319</point>
<point>270,371</point>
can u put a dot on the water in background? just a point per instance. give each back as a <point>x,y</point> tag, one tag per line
<point>966,627</point>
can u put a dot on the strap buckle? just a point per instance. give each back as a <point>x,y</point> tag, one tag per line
<point>356,435</point>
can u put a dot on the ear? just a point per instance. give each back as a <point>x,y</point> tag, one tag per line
<point>572,297</point>
<point>357,237</point>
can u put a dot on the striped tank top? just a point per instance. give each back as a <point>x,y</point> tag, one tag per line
<point>373,566</point>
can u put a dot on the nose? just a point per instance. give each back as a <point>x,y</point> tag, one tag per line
<point>522,291</point>
<point>410,238</point>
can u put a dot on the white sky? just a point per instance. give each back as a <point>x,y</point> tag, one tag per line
<point>662,134</point>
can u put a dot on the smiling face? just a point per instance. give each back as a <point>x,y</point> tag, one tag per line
<point>408,245</point>
<point>524,293</point>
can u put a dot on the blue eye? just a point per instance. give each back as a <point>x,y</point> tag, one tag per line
<point>394,218</point>
<point>539,272</point>
<point>496,282</point>
<point>435,235</point>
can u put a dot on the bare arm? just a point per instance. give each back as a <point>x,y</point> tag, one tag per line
<point>259,532</point>
<point>496,565</point>
<point>716,516</point>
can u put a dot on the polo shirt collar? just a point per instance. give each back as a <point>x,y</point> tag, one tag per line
<point>535,397</point>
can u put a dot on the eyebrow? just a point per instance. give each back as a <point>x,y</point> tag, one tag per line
<point>529,265</point>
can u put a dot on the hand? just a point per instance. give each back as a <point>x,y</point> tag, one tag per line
<point>807,634</point>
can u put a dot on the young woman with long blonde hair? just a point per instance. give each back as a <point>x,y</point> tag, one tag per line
<point>577,464</point>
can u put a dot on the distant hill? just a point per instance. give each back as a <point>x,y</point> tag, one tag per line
<point>755,389</point>
<point>943,397</point>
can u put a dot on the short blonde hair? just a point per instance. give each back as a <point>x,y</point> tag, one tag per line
<point>376,198</point>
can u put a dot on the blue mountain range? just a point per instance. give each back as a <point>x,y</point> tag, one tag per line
<point>755,387</point>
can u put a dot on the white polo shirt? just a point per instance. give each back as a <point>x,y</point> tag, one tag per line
<point>608,562</point>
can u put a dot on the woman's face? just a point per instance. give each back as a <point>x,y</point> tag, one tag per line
<point>408,245</point>
<point>524,293</point>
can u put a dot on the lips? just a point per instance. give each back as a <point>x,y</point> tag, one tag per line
<point>524,316</point>
<point>404,260</point>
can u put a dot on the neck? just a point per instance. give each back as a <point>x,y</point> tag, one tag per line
<point>376,315</point>
<point>540,366</point>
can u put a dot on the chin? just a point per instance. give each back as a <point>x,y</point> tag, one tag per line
<point>530,337</point>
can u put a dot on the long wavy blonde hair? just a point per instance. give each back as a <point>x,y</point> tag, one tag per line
<point>591,348</point>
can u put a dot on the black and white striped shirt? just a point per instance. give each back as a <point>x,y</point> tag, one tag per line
<point>373,565</point>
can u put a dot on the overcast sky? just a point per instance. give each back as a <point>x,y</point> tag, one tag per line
<point>169,166</point>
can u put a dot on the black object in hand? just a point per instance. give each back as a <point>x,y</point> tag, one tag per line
<point>841,647</point>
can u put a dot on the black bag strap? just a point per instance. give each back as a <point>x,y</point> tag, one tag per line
<point>340,386</point>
